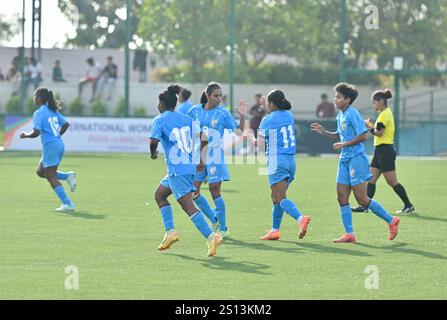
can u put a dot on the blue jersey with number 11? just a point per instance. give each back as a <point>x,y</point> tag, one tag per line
<point>279,132</point>
<point>176,132</point>
<point>48,122</point>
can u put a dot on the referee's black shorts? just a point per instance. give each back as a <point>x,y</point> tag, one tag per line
<point>384,158</point>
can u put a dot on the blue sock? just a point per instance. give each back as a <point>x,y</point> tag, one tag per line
<point>379,211</point>
<point>62,175</point>
<point>204,206</point>
<point>200,222</point>
<point>221,213</point>
<point>168,217</point>
<point>346,217</point>
<point>289,207</point>
<point>60,192</point>
<point>277,214</point>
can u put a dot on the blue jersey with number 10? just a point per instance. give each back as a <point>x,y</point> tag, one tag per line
<point>279,132</point>
<point>48,122</point>
<point>176,132</point>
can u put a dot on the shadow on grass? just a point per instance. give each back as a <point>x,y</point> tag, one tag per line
<point>221,263</point>
<point>401,248</point>
<point>84,215</point>
<point>301,246</point>
<point>422,217</point>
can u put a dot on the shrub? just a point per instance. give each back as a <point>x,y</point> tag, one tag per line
<point>139,112</point>
<point>76,107</point>
<point>13,105</point>
<point>99,108</point>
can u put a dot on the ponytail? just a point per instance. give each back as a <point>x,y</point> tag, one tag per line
<point>46,97</point>
<point>203,98</point>
<point>382,95</point>
<point>279,100</point>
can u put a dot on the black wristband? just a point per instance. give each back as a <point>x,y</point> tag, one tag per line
<point>372,131</point>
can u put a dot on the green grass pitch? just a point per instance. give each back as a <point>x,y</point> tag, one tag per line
<point>112,238</point>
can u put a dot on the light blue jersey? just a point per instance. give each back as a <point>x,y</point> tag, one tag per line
<point>350,125</point>
<point>213,123</point>
<point>48,122</point>
<point>176,133</point>
<point>353,168</point>
<point>279,132</point>
<point>184,107</point>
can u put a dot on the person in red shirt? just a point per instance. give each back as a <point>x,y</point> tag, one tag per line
<point>325,109</point>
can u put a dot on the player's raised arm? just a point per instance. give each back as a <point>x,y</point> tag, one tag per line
<point>242,110</point>
<point>318,128</point>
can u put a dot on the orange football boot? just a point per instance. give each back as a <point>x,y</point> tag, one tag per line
<point>347,237</point>
<point>271,235</point>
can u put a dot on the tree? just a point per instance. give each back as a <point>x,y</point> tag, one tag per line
<point>192,31</point>
<point>6,29</point>
<point>100,23</point>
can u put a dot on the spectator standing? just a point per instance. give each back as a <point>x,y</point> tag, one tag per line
<point>325,109</point>
<point>256,113</point>
<point>109,74</point>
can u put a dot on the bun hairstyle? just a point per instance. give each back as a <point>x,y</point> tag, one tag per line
<point>278,99</point>
<point>169,96</point>
<point>382,95</point>
<point>46,97</point>
<point>209,90</point>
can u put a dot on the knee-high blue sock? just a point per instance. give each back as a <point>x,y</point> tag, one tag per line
<point>200,222</point>
<point>289,207</point>
<point>60,192</point>
<point>380,211</point>
<point>221,213</point>
<point>168,217</point>
<point>204,206</point>
<point>62,175</point>
<point>346,217</point>
<point>277,214</point>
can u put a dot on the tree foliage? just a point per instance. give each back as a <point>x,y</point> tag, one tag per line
<point>302,33</point>
<point>99,23</point>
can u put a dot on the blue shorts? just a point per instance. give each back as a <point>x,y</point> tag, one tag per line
<point>281,167</point>
<point>354,171</point>
<point>179,185</point>
<point>52,153</point>
<point>214,172</point>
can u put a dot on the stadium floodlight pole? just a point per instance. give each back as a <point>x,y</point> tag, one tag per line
<point>341,36</point>
<point>232,41</point>
<point>22,63</point>
<point>126,50</point>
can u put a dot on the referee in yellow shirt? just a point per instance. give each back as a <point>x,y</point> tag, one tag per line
<point>384,160</point>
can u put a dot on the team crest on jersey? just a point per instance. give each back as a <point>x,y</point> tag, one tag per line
<point>343,126</point>
<point>214,123</point>
<point>213,170</point>
<point>352,173</point>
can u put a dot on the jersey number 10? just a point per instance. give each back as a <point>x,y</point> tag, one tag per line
<point>183,138</point>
